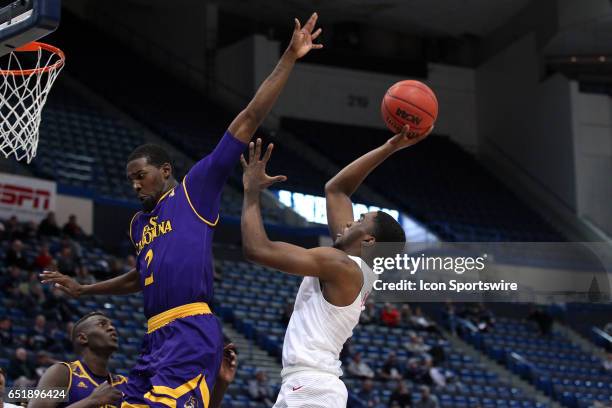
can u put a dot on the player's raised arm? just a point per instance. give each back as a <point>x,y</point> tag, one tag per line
<point>339,189</point>
<point>247,121</point>
<point>206,179</point>
<point>124,284</point>
<point>328,264</point>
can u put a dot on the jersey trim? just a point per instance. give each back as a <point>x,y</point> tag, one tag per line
<point>160,320</point>
<point>69,373</point>
<point>78,363</point>
<point>212,224</point>
<point>131,223</point>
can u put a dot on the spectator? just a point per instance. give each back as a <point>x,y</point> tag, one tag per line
<point>10,283</point>
<point>43,361</point>
<point>481,317</point>
<point>21,369</point>
<point>3,390</point>
<point>75,247</point>
<point>417,346</point>
<point>57,308</point>
<point>607,364</point>
<point>368,315</point>
<point>72,228</point>
<point>422,322</point>
<point>415,372</point>
<point>34,296</point>
<point>12,229</point>
<point>44,258</point>
<point>390,369</point>
<point>400,398</point>
<point>83,276</point>
<point>66,261</point>
<point>38,337</point>
<point>358,368</point>
<point>6,331</point>
<point>427,400</point>
<point>436,376</point>
<point>367,394</point>
<point>542,319</point>
<point>48,227</point>
<point>30,231</point>
<point>390,315</point>
<point>62,339</point>
<point>406,315</point>
<point>15,256</point>
<point>260,390</point>
<point>287,312</point>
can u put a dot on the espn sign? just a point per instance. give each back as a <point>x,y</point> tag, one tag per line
<point>30,199</point>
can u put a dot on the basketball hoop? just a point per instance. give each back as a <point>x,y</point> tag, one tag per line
<point>26,76</point>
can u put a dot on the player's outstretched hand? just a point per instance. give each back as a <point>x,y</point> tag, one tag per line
<point>63,282</point>
<point>303,37</point>
<point>227,372</point>
<point>254,177</point>
<point>403,139</point>
<point>105,394</point>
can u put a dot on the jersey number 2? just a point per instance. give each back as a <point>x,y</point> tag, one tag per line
<point>149,258</point>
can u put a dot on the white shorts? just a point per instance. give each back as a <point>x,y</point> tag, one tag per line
<point>312,389</point>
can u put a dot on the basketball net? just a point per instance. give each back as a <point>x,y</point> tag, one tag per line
<point>23,93</point>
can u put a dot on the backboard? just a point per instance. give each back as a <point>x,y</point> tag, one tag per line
<point>24,21</point>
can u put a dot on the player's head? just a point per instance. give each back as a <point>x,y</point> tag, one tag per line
<point>95,332</point>
<point>149,169</point>
<point>371,228</point>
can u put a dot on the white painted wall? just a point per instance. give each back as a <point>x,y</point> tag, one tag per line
<point>344,96</point>
<point>527,121</point>
<point>592,128</point>
<point>81,207</point>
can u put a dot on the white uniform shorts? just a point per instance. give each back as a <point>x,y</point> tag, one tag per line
<point>312,389</point>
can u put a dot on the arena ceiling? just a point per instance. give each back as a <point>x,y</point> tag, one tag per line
<point>442,17</point>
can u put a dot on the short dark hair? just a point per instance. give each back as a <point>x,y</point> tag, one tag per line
<point>155,154</point>
<point>386,229</point>
<point>75,329</point>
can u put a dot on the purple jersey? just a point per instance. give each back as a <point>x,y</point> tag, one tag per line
<point>174,241</point>
<point>83,382</point>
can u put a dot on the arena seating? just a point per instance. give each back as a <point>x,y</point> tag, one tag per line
<point>553,363</point>
<point>434,176</point>
<point>436,182</point>
<point>176,111</point>
<point>252,298</point>
<point>254,307</point>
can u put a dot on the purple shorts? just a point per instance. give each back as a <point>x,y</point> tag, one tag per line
<point>178,365</point>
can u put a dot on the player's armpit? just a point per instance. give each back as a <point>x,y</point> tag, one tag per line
<point>56,376</point>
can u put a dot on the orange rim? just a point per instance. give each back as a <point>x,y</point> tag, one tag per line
<point>33,47</point>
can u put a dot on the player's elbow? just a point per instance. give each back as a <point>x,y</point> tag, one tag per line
<point>256,253</point>
<point>250,253</point>
<point>332,186</point>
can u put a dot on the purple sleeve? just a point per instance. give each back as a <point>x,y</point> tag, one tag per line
<point>204,182</point>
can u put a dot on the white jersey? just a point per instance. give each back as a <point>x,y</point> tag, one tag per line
<point>318,330</point>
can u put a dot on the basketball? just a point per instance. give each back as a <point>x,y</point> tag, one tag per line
<point>412,103</point>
